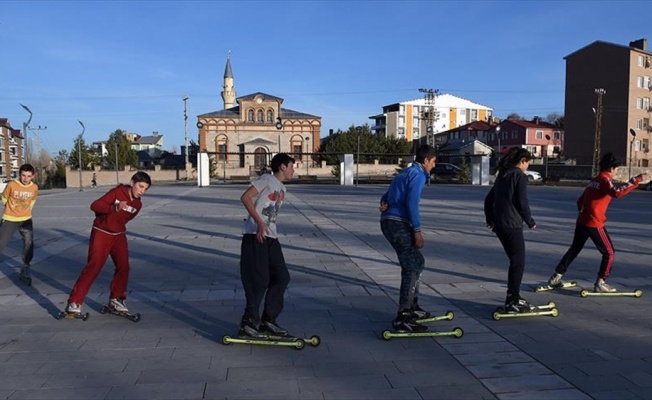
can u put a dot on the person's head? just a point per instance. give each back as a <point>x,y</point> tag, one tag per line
<point>426,155</point>
<point>283,166</point>
<point>609,163</point>
<point>26,173</point>
<point>140,182</point>
<point>516,157</point>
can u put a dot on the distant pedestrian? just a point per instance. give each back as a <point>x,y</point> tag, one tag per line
<point>109,238</point>
<point>592,206</point>
<point>94,180</point>
<point>263,270</point>
<point>400,223</point>
<point>506,207</point>
<point>19,197</point>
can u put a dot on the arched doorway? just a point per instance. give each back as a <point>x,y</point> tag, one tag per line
<point>260,158</point>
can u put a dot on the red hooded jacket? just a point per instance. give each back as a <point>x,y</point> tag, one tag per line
<point>595,199</point>
<point>107,218</point>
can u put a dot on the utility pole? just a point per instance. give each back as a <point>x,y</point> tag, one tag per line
<point>430,116</point>
<point>598,127</point>
<point>185,127</point>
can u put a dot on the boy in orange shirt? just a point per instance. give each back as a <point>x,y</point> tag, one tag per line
<point>19,197</point>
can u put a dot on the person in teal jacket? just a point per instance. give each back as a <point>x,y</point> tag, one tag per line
<point>400,223</point>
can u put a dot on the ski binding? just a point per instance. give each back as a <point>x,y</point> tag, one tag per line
<point>69,315</point>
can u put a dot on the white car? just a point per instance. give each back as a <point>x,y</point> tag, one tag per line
<point>533,175</point>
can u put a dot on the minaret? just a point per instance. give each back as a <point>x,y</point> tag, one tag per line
<point>228,94</point>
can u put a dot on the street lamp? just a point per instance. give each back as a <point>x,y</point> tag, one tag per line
<point>498,137</point>
<point>307,154</point>
<point>81,135</point>
<point>185,126</point>
<point>547,145</point>
<point>25,125</point>
<point>357,163</point>
<point>631,150</point>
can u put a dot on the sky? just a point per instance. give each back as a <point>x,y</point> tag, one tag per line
<point>128,64</point>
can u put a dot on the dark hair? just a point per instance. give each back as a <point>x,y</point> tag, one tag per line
<point>425,151</point>
<point>280,159</point>
<point>608,161</point>
<point>26,168</point>
<point>141,176</point>
<point>514,156</point>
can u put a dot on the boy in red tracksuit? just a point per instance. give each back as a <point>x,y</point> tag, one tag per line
<point>108,237</point>
<point>592,205</point>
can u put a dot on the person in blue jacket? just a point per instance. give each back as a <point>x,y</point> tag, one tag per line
<point>400,223</point>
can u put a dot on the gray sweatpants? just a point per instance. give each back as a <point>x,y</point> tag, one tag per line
<point>7,229</point>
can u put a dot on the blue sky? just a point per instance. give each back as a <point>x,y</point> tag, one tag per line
<point>127,64</point>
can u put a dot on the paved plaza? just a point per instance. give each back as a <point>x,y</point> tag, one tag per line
<point>185,247</point>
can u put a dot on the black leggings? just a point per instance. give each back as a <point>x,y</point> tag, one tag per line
<point>602,242</point>
<point>514,245</point>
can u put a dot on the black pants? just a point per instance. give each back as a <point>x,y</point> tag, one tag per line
<point>514,245</point>
<point>602,242</point>
<point>264,275</point>
<point>26,230</point>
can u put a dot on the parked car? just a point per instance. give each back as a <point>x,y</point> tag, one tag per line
<point>445,172</point>
<point>533,175</point>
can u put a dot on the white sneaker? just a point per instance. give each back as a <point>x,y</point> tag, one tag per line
<point>118,305</point>
<point>602,287</point>
<point>73,308</point>
<point>555,280</point>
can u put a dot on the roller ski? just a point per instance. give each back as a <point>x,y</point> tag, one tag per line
<point>73,311</point>
<point>268,334</point>
<point>520,308</point>
<point>555,282</point>
<point>601,288</point>
<point>25,276</point>
<point>409,324</point>
<point>118,307</point>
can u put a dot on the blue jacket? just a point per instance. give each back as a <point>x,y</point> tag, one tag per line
<point>404,194</point>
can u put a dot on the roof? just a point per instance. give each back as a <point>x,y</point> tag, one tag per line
<point>456,146</point>
<point>603,43</point>
<point>448,100</point>
<point>234,112</point>
<point>265,95</point>
<point>149,139</point>
<point>530,124</point>
<point>227,70</point>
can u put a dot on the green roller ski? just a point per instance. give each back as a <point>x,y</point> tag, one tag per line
<point>313,340</point>
<point>449,316</point>
<point>456,332</point>
<point>536,311</point>
<point>636,293</point>
<point>564,285</point>
<point>296,343</point>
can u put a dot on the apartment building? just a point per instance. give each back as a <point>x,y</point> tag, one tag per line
<point>411,119</point>
<point>11,150</point>
<point>623,74</point>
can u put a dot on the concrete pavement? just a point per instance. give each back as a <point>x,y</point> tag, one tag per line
<point>185,282</point>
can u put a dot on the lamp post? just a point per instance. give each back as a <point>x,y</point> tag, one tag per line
<point>546,154</point>
<point>357,163</point>
<point>81,136</point>
<point>631,150</point>
<point>498,137</point>
<point>307,154</point>
<point>185,126</point>
<point>25,125</point>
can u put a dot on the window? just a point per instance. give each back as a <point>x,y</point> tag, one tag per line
<point>639,81</point>
<point>556,135</point>
<point>639,124</point>
<point>250,116</point>
<point>474,115</point>
<point>296,149</point>
<point>646,103</point>
<point>415,121</point>
<point>221,152</point>
<point>640,61</point>
<point>646,82</point>
<point>270,116</point>
<point>401,121</point>
<point>259,115</point>
<point>645,145</point>
<point>639,103</point>
<point>646,123</point>
<point>539,135</point>
<point>514,134</point>
<point>532,149</point>
<point>415,134</point>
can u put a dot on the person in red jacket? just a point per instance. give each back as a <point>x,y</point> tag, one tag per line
<point>592,205</point>
<point>108,237</point>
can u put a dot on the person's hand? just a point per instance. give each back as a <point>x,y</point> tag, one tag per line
<point>261,231</point>
<point>119,206</point>
<point>418,240</point>
<point>533,226</point>
<point>641,177</point>
<point>383,207</point>
<point>490,226</point>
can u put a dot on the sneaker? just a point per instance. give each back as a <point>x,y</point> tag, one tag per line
<point>405,322</point>
<point>517,305</point>
<point>602,287</point>
<point>73,308</point>
<point>248,330</point>
<point>118,305</point>
<point>273,328</point>
<point>25,272</point>
<point>555,280</point>
<point>418,312</point>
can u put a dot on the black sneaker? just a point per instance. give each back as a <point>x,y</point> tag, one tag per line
<point>271,327</point>
<point>418,312</point>
<point>249,331</point>
<point>405,322</point>
<point>517,305</point>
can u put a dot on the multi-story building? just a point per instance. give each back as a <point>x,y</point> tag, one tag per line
<point>11,150</point>
<point>250,129</point>
<point>411,119</point>
<point>608,92</point>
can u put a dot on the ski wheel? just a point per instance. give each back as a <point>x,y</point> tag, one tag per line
<point>584,293</point>
<point>496,315</point>
<point>458,332</point>
<point>299,344</point>
<point>552,304</point>
<point>314,341</point>
<point>86,316</point>
<point>450,315</point>
<point>226,340</point>
<point>638,293</point>
<point>554,312</point>
<point>136,317</point>
<point>387,334</point>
